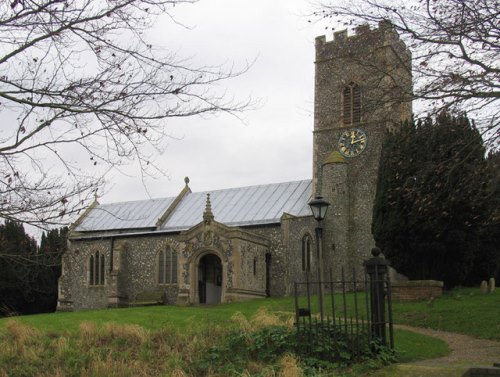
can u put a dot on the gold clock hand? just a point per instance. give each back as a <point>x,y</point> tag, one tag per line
<point>357,141</point>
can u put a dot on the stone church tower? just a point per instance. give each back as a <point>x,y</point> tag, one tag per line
<point>242,243</point>
<point>362,87</point>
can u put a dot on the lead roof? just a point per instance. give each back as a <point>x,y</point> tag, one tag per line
<point>242,206</point>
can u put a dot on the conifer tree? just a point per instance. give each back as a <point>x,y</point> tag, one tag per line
<point>432,202</point>
<point>29,274</point>
<point>17,250</point>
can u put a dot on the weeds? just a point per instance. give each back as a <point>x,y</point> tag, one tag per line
<point>19,333</point>
<point>290,367</point>
<point>260,343</point>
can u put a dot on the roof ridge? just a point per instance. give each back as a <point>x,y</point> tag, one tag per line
<point>205,192</point>
<point>250,186</point>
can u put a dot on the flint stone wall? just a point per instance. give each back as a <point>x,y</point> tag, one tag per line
<point>415,290</point>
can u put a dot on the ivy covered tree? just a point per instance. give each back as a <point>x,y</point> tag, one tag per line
<point>434,201</point>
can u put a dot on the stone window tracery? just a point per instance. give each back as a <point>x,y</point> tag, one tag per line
<point>97,270</point>
<point>306,253</point>
<point>351,104</point>
<point>167,266</point>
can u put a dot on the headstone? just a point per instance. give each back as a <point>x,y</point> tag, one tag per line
<point>484,287</point>
<point>491,285</point>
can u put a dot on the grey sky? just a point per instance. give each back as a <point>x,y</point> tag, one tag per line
<point>274,143</point>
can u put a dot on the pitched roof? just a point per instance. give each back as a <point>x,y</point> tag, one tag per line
<point>252,205</point>
<point>137,214</point>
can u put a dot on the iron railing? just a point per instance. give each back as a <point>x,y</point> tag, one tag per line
<point>352,313</point>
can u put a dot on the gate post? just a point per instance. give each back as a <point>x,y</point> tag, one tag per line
<point>376,268</point>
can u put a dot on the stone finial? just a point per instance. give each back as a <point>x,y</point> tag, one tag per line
<point>208,216</point>
<point>376,252</point>
<point>186,180</point>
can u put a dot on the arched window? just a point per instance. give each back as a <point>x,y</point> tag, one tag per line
<point>97,269</point>
<point>167,266</point>
<point>306,253</point>
<point>351,104</point>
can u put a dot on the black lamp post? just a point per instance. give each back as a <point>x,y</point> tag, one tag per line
<point>319,206</point>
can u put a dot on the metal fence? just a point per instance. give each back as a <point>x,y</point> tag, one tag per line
<point>344,314</point>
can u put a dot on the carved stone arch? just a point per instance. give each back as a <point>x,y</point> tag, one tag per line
<point>208,270</point>
<point>196,256</point>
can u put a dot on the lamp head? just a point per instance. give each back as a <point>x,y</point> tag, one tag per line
<point>319,206</point>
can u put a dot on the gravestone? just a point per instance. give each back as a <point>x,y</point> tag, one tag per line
<point>491,285</point>
<point>483,287</point>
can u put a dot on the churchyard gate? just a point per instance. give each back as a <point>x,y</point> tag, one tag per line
<point>350,314</point>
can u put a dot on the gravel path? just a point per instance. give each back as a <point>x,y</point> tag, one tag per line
<point>465,350</point>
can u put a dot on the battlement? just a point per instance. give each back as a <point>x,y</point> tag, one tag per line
<point>363,39</point>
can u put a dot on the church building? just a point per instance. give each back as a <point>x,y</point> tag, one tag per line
<point>247,242</point>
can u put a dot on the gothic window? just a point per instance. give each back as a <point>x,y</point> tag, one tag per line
<point>97,269</point>
<point>306,253</point>
<point>167,266</point>
<point>351,104</point>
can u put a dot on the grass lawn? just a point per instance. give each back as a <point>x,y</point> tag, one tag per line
<point>462,310</point>
<point>156,317</point>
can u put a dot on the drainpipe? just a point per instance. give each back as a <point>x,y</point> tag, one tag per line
<point>111,247</point>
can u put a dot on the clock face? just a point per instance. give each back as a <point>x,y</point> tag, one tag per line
<point>352,142</point>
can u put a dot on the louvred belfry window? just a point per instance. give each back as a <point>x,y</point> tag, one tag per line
<point>351,104</point>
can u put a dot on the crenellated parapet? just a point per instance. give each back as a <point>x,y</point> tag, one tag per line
<point>363,41</point>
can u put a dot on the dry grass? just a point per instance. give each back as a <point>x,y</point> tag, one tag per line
<point>110,367</point>
<point>19,333</point>
<point>262,318</point>
<point>61,346</point>
<point>242,322</point>
<point>290,367</point>
<point>178,372</point>
<point>130,335</point>
<point>258,368</point>
<point>87,332</point>
<point>133,334</point>
<point>125,350</point>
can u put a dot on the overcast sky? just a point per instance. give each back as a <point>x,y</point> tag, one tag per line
<point>274,143</point>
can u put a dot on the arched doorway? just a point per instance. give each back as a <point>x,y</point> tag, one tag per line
<point>210,279</point>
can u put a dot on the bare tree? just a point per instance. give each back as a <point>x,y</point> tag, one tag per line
<point>80,75</point>
<point>455,47</point>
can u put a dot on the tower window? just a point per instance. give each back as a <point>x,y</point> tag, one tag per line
<point>351,104</point>
<point>96,269</point>
<point>306,253</point>
<point>167,266</point>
